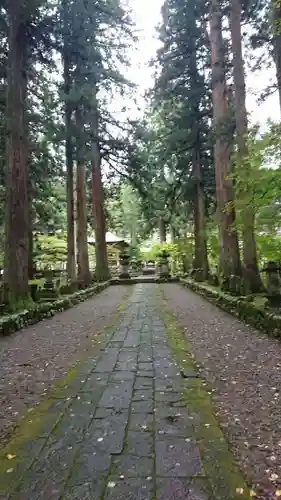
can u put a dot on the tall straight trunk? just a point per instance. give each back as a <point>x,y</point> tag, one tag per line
<point>251,271</point>
<point>276,28</point>
<point>102,269</point>
<point>230,258</point>
<point>17,247</point>
<point>71,267</point>
<point>162,229</point>
<point>200,235</point>
<point>83,269</point>
<point>173,233</point>
<point>201,255</point>
<point>30,234</point>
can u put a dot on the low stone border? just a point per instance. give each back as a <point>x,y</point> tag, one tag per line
<point>143,279</point>
<point>238,306</point>
<point>17,321</point>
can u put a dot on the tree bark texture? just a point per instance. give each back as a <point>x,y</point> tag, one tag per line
<point>162,229</point>
<point>83,274</point>
<point>102,269</point>
<point>17,244</point>
<point>250,261</point>
<point>230,258</point>
<point>200,238</point>
<point>200,235</point>
<point>71,264</point>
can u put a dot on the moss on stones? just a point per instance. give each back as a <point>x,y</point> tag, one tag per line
<point>13,322</point>
<point>252,313</point>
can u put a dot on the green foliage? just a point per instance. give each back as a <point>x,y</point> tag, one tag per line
<point>268,248</point>
<point>50,251</point>
<point>124,214</point>
<point>173,250</point>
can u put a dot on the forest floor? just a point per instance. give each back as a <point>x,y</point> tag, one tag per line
<point>134,418</point>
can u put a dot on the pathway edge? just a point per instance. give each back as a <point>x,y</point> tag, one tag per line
<point>239,307</point>
<point>214,448</point>
<point>29,425</point>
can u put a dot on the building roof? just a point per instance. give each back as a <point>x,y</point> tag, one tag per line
<point>110,239</point>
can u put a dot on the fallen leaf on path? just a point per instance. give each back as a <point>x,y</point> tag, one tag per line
<point>111,484</point>
<point>239,491</point>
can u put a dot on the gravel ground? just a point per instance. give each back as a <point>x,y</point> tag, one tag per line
<point>244,367</point>
<point>34,359</point>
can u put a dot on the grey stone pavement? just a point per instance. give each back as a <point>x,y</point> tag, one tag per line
<point>118,429</point>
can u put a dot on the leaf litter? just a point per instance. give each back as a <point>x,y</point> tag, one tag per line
<point>244,368</point>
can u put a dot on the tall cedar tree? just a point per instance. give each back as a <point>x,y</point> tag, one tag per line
<point>183,81</point>
<point>102,269</point>
<point>91,55</point>
<point>250,261</point>
<point>17,243</point>
<point>69,160</point>
<point>229,249</point>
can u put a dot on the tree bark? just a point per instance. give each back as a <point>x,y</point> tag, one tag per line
<point>17,246</point>
<point>31,265</point>
<point>250,271</point>
<point>162,229</point>
<point>83,274</point>
<point>230,258</point>
<point>201,254</point>
<point>173,233</point>
<point>71,266</point>
<point>102,269</point>
<point>276,28</point>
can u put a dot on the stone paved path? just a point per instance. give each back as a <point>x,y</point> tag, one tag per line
<point>119,426</point>
<point>33,359</point>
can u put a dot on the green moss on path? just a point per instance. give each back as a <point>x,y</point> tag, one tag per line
<point>31,434</point>
<point>225,478</point>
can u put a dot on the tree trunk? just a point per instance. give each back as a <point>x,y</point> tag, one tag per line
<point>173,233</point>
<point>71,267</point>
<point>31,266</point>
<point>102,269</point>
<point>276,24</point>
<point>201,255</point>
<point>83,274</point>
<point>162,230</point>
<point>200,236</point>
<point>251,271</point>
<point>230,258</point>
<point>17,247</point>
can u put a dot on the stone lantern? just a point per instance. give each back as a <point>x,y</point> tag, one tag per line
<point>163,265</point>
<point>124,262</point>
<point>272,270</point>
